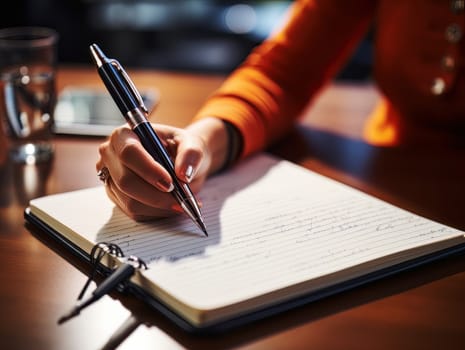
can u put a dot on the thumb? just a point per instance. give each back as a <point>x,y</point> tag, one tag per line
<point>190,157</point>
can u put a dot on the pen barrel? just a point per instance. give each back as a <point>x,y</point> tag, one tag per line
<point>117,88</point>
<point>121,274</point>
<point>153,145</point>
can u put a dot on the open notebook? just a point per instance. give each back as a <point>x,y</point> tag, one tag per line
<point>279,235</point>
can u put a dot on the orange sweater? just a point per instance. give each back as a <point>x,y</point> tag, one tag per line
<point>418,67</point>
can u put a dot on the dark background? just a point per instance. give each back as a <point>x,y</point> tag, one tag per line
<point>205,36</point>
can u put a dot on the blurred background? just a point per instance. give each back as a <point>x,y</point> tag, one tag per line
<point>207,36</point>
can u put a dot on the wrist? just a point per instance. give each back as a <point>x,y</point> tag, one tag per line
<point>233,145</point>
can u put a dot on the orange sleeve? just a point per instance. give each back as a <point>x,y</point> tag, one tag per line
<point>264,96</point>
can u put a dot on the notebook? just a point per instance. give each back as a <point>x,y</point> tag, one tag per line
<point>279,236</point>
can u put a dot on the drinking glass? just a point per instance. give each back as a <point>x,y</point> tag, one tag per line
<point>28,58</point>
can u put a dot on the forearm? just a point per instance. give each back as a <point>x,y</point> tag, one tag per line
<point>270,90</point>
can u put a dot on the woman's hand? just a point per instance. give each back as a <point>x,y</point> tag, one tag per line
<point>140,186</point>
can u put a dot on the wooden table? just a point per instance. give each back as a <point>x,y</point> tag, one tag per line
<point>420,309</point>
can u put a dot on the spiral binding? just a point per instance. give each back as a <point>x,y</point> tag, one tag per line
<point>119,276</point>
<point>136,262</point>
<point>98,252</point>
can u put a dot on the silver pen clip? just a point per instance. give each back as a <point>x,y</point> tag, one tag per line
<point>130,84</point>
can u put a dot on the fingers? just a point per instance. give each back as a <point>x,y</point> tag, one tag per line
<point>135,209</point>
<point>125,156</point>
<point>190,156</point>
<point>186,150</point>
<point>138,184</point>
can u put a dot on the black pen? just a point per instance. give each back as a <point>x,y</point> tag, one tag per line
<point>130,103</point>
<point>121,274</point>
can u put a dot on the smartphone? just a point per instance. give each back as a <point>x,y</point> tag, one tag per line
<point>91,112</point>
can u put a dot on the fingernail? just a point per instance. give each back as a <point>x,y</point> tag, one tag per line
<point>189,173</point>
<point>165,186</point>
<point>177,208</point>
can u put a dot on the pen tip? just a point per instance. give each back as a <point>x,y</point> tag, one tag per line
<point>203,228</point>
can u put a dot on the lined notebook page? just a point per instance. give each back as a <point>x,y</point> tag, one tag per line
<point>271,225</point>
